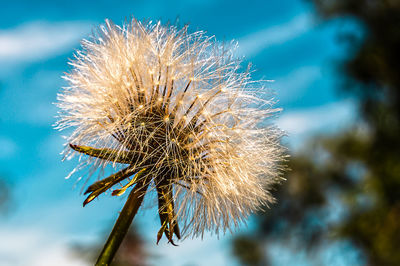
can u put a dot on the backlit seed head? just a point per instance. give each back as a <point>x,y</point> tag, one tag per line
<point>206,149</point>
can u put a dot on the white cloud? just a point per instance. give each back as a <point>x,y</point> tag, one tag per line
<point>254,43</point>
<point>303,124</point>
<point>38,40</point>
<point>31,247</point>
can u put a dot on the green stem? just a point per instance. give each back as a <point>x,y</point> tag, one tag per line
<point>121,227</point>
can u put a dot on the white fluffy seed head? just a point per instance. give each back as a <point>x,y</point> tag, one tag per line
<point>180,100</point>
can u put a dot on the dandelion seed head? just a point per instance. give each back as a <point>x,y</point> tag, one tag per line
<point>178,105</point>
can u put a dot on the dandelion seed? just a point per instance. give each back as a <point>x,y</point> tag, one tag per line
<point>160,86</point>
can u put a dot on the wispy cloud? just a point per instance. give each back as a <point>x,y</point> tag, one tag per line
<point>38,40</point>
<point>302,124</point>
<point>31,247</point>
<point>254,43</point>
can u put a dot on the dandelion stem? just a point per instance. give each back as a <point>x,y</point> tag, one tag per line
<point>124,220</point>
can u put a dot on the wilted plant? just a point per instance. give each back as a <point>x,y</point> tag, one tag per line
<point>174,108</point>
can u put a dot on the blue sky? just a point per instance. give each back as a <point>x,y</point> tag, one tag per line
<point>284,41</point>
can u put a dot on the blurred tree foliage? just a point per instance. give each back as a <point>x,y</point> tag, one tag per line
<point>4,196</point>
<point>130,253</point>
<point>360,168</point>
